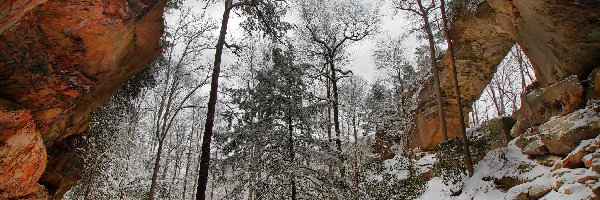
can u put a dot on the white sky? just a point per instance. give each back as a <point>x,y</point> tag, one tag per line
<point>361,61</point>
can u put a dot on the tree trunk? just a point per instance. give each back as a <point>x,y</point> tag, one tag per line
<point>212,102</point>
<point>462,127</point>
<point>495,100</point>
<point>292,154</point>
<point>521,68</point>
<point>434,69</point>
<point>328,86</point>
<point>336,118</point>
<point>475,114</point>
<point>328,110</point>
<point>188,159</point>
<point>156,168</point>
<point>355,131</point>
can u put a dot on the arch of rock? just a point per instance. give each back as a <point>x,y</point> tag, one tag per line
<point>561,38</point>
<point>61,59</point>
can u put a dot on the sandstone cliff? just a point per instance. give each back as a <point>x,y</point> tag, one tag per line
<point>59,60</point>
<point>561,39</point>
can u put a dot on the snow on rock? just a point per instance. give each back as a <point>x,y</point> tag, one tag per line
<point>529,179</point>
<point>576,157</point>
<point>536,188</point>
<point>436,189</point>
<point>563,134</point>
<point>501,164</point>
<point>559,159</point>
<point>425,164</point>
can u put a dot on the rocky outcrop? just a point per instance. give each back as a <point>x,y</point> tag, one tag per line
<point>573,144</point>
<point>59,60</point>
<point>560,38</point>
<point>506,173</point>
<point>480,47</point>
<point>383,145</point>
<point>496,131</point>
<point>22,151</point>
<point>561,135</point>
<point>538,105</point>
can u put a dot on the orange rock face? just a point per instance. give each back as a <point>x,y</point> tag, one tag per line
<point>561,38</point>
<point>59,60</point>
<point>22,152</point>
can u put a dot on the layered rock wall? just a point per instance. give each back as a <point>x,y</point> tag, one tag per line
<point>560,38</point>
<point>59,60</point>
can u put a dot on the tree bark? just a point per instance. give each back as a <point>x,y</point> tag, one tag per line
<point>355,131</point>
<point>495,100</point>
<point>328,87</point>
<point>336,118</point>
<point>156,168</point>
<point>462,127</point>
<point>292,154</point>
<point>212,102</point>
<point>521,68</point>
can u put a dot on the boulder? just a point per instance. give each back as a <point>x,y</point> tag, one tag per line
<point>595,165</point>
<point>383,145</point>
<point>561,135</point>
<point>575,159</point>
<point>538,192</point>
<point>507,182</point>
<point>530,143</point>
<point>540,104</point>
<point>547,160</point>
<point>497,131</point>
<point>592,159</point>
<point>596,188</point>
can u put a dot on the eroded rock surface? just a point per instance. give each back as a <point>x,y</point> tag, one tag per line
<point>59,60</point>
<point>22,151</point>
<point>540,104</point>
<point>560,38</point>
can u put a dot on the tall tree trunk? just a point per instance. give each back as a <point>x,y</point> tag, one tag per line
<point>355,131</point>
<point>336,117</point>
<point>187,167</point>
<point>328,86</point>
<point>434,69</point>
<point>521,68</point>
<point>156,168</point>
<point>475,114</point>
<point>461,117</point>
<point>495,100</point>
<point>212,102</point>
<point>292,155</point>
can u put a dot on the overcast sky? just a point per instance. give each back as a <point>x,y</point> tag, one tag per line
<point>361,62</point>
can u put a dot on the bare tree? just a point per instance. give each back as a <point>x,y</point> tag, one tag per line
<point>353,95</point>
<point>331,26</point>
<point>184,43</point>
